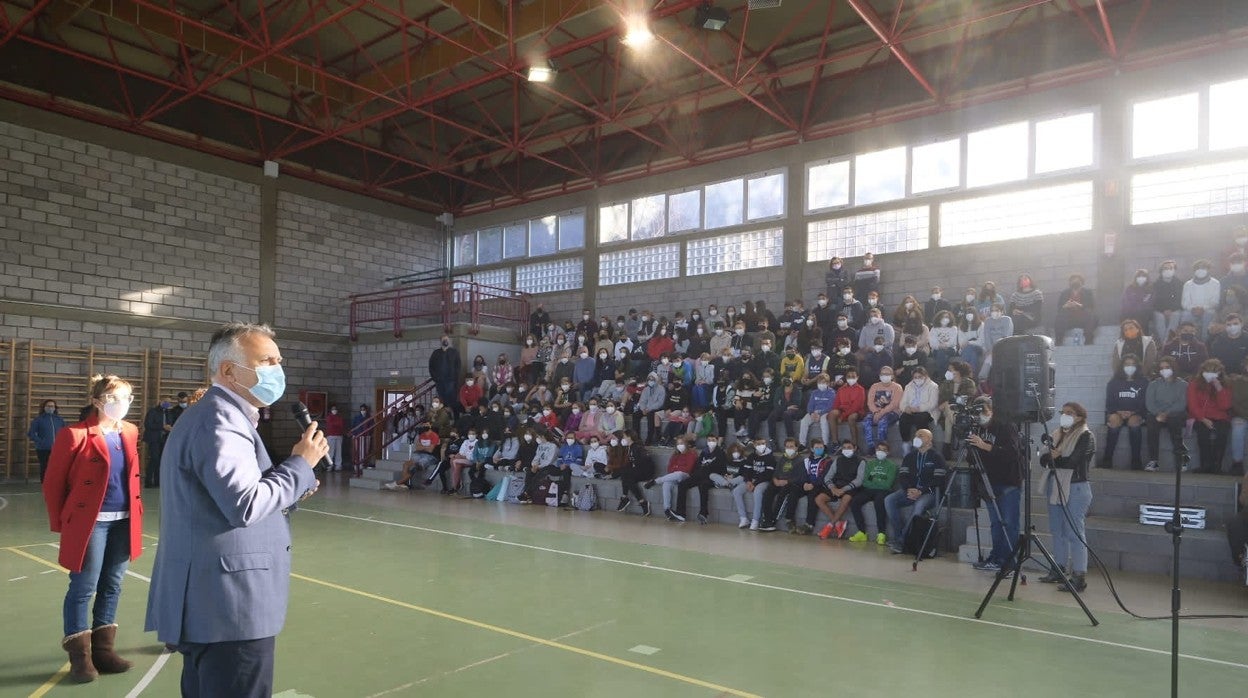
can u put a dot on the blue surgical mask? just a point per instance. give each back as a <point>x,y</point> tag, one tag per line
<point>271,384</point>
<point>817,451</point>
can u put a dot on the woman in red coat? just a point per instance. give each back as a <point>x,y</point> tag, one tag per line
<point>92,492</point>
<point>1209,404</point>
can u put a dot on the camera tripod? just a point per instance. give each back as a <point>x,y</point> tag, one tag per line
<point>1027,539</point>
<point>970,455</point>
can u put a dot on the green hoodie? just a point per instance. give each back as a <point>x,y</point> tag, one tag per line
<point>881,474</point>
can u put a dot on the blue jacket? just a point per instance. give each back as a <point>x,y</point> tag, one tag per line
<point>583,371</point>
<point>820,400</point>
<point>571,455</point>
<point>43,430</point>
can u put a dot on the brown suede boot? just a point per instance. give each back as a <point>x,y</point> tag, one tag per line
<point>102,654</point>
<point>81,669</point>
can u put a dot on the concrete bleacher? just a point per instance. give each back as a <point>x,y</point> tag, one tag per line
<point>1113,527</point>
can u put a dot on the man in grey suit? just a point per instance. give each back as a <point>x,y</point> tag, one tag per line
<point>222,572</point>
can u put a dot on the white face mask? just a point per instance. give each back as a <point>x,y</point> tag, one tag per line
<point>681,447</point>
<point>944,322</point>
<point>760,449</point>
<point>984,419</point>
<point>881,455</point>
<point>626,442</point>
<point>1234,330</point>
<point>1067,421</point>
<point>790,452</point>
<point>970,317</point>
<point>610,409</point>
<point>1141,281</point>
<point>1209,376</point>
<point>919,381</point>
<point>766,347</point>
<point>710,445</point>
<point>528,437</point>
<point>823,386</point>
<point>576,410</point>
<point>996,315</point>
<point>116,411</point>
<point>1129,370</point>
<point>949,375</point>
<point>970,298</point>
<point>917,442</point>
<point>878,348</point>
<point>472,437</point>
<point>719,330</point>
<point>876,319</point>
<point>909,306</point>
<point>936,296</point>
<point>848,298</point>
<point>593,408</point>
<point>546,412</point>
<point>594,444</point>
<point>469,383</point>
<point>1201,273</point>
<point>823,302</point>
<point>873,302</point>
<point>645,318</point>
<point>887,378</point>
<point>569,441</point>
<point>767,380</point>
<point>615,442</point>
<point>911,350</point>
<point>1167,274</point>
<point>843,351</point>
<point>847,452</point>
<point>740,331</point>
<point>851,381</point>
<point>843,324</point>
<point>1167,373</point>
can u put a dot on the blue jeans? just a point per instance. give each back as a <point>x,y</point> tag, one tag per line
<point>108,555</point>
<point>1004,538</point>
<point>895,502</point>
<point>1066,538</point>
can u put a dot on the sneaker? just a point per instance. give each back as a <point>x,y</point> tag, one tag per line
<point>623,504</point>
<point>677,517</point>
<point>645,508</point>
<point>702,519</point>
<point>668,513</point>
<point>743,523</point>
<point>895,549</point>
<point>986,566</point>
<point>767,528</point>
<point>754,526</point>
<point>1184,468</point>
<point>392,486</point>
<point>881,539</point>
<point>803,529</point>
<point>839,529</point>
<point>827,531</point>
<point>1077,581</point>
<point>859,537</point>
<point>1151,466</point>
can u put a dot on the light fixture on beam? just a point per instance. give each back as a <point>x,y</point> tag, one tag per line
<point>637,34</point>
<point>541,72</point>
<point>710,18</point>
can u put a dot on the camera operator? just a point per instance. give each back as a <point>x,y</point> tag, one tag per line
<point>999,451</point>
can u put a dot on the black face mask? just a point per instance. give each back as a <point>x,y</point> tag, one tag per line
<point>1187,336</point>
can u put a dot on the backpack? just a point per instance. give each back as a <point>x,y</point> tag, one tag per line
<point>586,499</point>
<point>515,488</point>
<point>918,533</point>
<point>548,494</point>
<point>499,489</point>
<point>477,487</point>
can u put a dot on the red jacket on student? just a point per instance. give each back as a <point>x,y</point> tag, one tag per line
<point>682,462</point>
<point>1202,405</point>
<point>470,396</point>
<point>851,399</point>
<point>334,426</point>
<point>77,480</point>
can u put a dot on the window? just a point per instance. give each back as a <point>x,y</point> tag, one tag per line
<point>1065,143</point>
<point>572,230</point>
<point>490,246</point>
<point>725,203</point>
<point>542,233</point>
<point>498,278</point>
<point>684,211</point>
<point>515,240</point>
<point>765,196</point>
<point>466,250</point>
<point>641,264</point>
<point>1168,125</point>
<point>880,176</point>
<point>548,277</point>
<point>649,217</point>
<point>1048,211</point>
<point>613,223</point>
<point>1228,107</point>
<point>996,155</point>
<point>936,166</point>
<point>899,230</point>
<point>827,185</point>
<point>1190,192</point>
<point>763,248</point>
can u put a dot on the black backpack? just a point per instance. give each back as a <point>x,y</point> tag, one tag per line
<point>923,528</point>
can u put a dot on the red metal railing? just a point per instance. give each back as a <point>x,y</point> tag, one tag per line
<point>442,302</point>
<point>384,427</point>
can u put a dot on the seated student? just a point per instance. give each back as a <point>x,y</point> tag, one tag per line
<point>997,326</point>
<point>787,407</point>
<point>817,363</point>
<point>852,308</point>
<point>1186,350</point>
<point>761,405</point>
<point>959,386</point>
<point>427,453</point>
<point>747,391</point>
<point>934,307</point>
<point>463,458</point>
<point>711,471</point>
<point>914,328</point>
<point>825,313</point>
<point>754,463</point>
<point>810,333</point>
<point>1076,309</point>
<point>701,427</point>
<point>944,342</point>
<point>910,358</point>
<point>637,467</point>
<point>1201,295</point>
<point>919,401</point>
<point>1231,345</point>
<point>1125,407</point>
<point>676,403</point>
<point>652,399</point>
<point>723,395</point>
<point>570,461</point>
<point>883,408</point>
<point>1137,299</point>
<point>848,408</point>
<point>785,488</point>
<point>665,370</point>
<point>595,464</point>
<point>840,329</point>
<point>590,422</point>
<point>879,475</point>
<point>1165,401</point>
<point>547,419</point>
<point>612,419</point>
<point>840,481</point>
<point>505,457</point>
<point>815,463</point>
<point>921,478</point>
<point>1026,306</point>
<point>679,467</point>
<point>617,455</point>
<point>970,343</point>
<point>1209,405</point>
<point>703,380</point>
<point>541,467</point>
<point>483,454</point>
<point>871,366</point>
<point>470,394</point>
<point>572,422</point>
<point>1132,340</point>
<point>677,425</point>
<point>817,407</point>
<point>792,365</point>
<point>843,359</point>
<point>875,329</point>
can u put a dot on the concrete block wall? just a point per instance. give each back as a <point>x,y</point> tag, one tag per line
<point>372,364</point>
<point>565,305</point>
<point>92,227</point>
<point>327,252</point>
<point>668,296</point>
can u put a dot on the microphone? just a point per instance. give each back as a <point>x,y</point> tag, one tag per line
<point>304,419</point>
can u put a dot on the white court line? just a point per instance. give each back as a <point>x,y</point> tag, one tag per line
<point>802,592</point>
<point>151,673</point>
<point>3,502</point>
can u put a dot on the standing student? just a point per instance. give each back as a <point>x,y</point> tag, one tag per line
<point>878,478</point>
<point>157,424</point>
<point>91,490</point>
<point>335,429</point>
<point>1068,489</point>
<point>42,433</point>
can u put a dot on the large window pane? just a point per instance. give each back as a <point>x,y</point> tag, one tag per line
<point>490,246</point>
<point>765,196</point>
<point>899,230</point>
<point>827,185</point>
<point>613,223</point>
<point>1048,211</point>
<point>466,250</point>
<point>547,277</point>
<point>498,278</point>
<point>880,176</point>
<point>997,155</point>
<point>725,203</point>
<point>684,211</point>
<point>515,240</point>
<point>542,236</point>
<point>1169,125</point>
<point>761,248</point>
<point>572,230</point>
<point>936,166</point>
<point>640,264</point>
<point>650,217</point>
<point>1190,192</point>
<point>1065,143</point>
<point>1228,115</point>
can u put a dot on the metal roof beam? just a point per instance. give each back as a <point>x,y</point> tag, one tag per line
<point>877,25</point>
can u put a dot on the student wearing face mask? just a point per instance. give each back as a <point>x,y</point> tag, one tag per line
<point>1186,350</point>
<point>637,467</point>
<point>755,465</point>
<point>1165,401</point>
<point>879,475</point>
<point>1076,309</point>
<point>842,361</point>
<point>935,305</point>
<point>958,386</point>
<point>816,363</point>
<point>998,326</point>
<point>875,329</point>
<point>42,434</point>
<point>1231,345</point>
<point>1209,403</point>
<point>943,342</point>
<point>647,328</point>
<point>335,429</point>
<point>910,358</point>
<point>848,408</point>
<point>825,311</point>
<point>818,404</point>
<point>837,330</point>
<point>809,332</point>
<point>1026,306</point>
<point>1238,384</point>
<point>1236,274</point>
<point>1066,486</point>
<point>1001,452</point>
<point>874,362</point>
<point>792,365</point>
<point>970,340</point>
<point>661,343</point>
<point>883,409</point>
<point>920,479</point>
<point>909,307</point>
<point>362,438</point>
<point>1167,301</point>
<point>698,340</point>
<point>652,399</point>
<point>919,401</point>
<point>1137,299</point>
<point>470,393</point>
<point>1201,295</point>
<point>988,297</point>
<point>1132,340</point>
<point>966,303</point>
<point>867,278</point>
<point>837,278</point>
<point>841,478</point>
<point>1125,406</point>
<point>852,308</point>
<point>679,467</point>
<point>584,372</point>
<point>785,488</point>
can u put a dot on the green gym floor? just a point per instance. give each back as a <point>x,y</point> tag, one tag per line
<point>418,594</point>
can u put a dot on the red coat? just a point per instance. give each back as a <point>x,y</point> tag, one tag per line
<point>1202,405</point>
<point>334,425</point>
<point>851,399</point>
<point>76,482</point>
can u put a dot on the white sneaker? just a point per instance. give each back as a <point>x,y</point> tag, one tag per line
<point>1151,466</point>
<point>743,523</point>
<point>754,525</point>
<point>392,486</point>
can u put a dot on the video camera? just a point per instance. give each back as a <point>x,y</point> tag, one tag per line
<point>965,417</point>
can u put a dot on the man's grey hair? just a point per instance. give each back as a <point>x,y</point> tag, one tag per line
<point>225,343</point>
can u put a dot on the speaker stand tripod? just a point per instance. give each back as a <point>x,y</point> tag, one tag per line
<point>1027,538</point>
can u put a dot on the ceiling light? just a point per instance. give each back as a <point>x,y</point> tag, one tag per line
<point>541,73</point>
<point>710,18</point>
<point>638,34</point>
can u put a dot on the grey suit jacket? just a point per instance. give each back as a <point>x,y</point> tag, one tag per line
<point>222,569</point>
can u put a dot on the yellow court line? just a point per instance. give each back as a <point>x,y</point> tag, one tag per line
<point>723,690</point>
<point>64,670</point>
